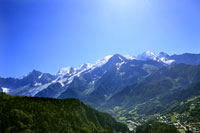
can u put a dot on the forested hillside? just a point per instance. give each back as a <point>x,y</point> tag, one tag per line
<point>26,114</point>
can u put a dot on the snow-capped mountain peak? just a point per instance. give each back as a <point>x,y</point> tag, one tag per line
<point>83,67</point>
<point>148,55</point>
<point>102,61</point>
<point>87,66</point>
<point>128,57</point>
<point>66,70</point>
<point>67,74</point>
<point>159,57</point>
<point>36,81</point>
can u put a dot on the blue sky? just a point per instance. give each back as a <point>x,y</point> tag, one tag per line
<point>50,34</point>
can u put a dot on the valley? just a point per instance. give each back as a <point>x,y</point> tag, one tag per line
<point>134,90</point>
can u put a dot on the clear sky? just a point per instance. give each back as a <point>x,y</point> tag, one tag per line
<point>47,35</point>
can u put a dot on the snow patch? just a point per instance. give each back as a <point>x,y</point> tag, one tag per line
<point>62,84</point>
<point>122,73</point>
<point>37,84</point>
<point>120,58</point>
<point>39,77</point>
<point>101,62</point>
<point>5,90</point>
<point>132,65</point>
<point>164,60</point>
<point>118,65</point>
<point>35,90</point>
<point>129,57</point>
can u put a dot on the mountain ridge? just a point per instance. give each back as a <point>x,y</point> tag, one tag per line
<point>37,81</point>
<point>129,88</point>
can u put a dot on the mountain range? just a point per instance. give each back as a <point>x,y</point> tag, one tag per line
<point>116,81</point>
<point>107,76</point>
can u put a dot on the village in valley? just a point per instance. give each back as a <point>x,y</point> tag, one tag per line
<point>178,120</point>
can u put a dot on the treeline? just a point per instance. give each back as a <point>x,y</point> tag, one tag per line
<point>32,114</point>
